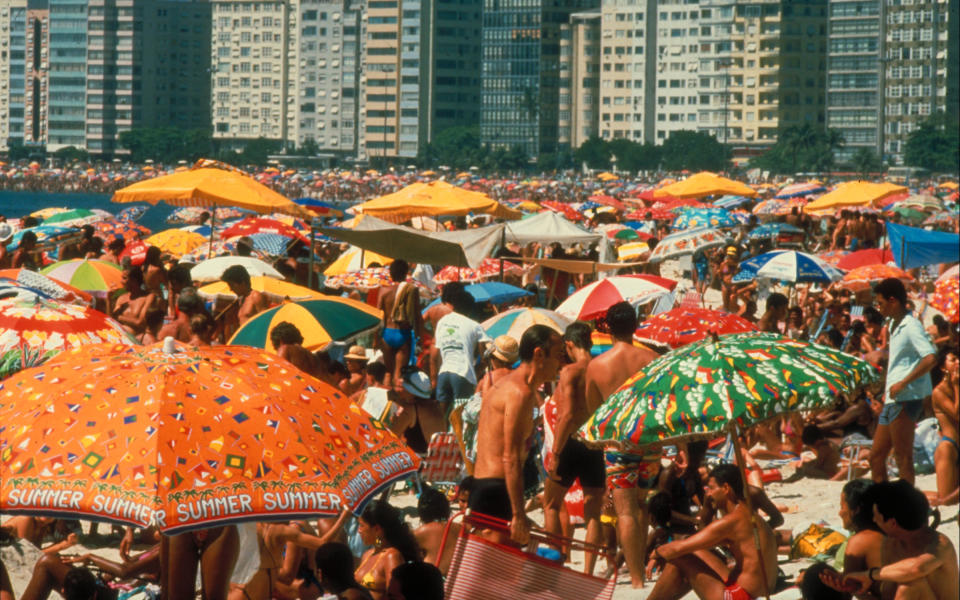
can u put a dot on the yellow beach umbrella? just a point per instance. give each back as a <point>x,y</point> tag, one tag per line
<point>354,259</point>
<point>433,199</point>
<point>209,187</point>
<point>607,176</point>
<point>276,290</point>
<point>176,242</point>
<point>46,213</point>
<point>703,184</point>
<point>854,193</point>
<point>632,251</point>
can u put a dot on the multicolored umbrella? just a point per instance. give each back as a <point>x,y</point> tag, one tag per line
<point>862,278</point>
<point>74,218</point>
<point>775,230</point>
<point>276,290</point>
<point>604,341</point>
<point>863,258</point>
<point>32,332</point>
<point>192,215</point>
<point>176,242</point>
<point>128,230</point>
<point>634,251</point>
<point>186,439</point>
<point>212,269</point>
<point>946,298</point>
<point>800,190</point>
<point>320,320</point>
<point>489,267</point>
<point>98,277</point>
<point>789,265</point>
<point>686,242</point>
<point>699,390</point>
<point>515,321</point>
<point>833,257</point>
<point>30,285</point>
<point>731,201</point>
<point>355,259</point>
<point>592,301</point>
<point>47,235</point>
<point>693,218</point>
<point>131,213</point>
<point>921,202</point>
<point>364,279</point>
<point>682,326</point>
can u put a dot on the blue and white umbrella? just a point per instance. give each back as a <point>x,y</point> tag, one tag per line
<point>731,201</point>
<point>692,218</point>
<point>788,265</point>
<point>773,230</point>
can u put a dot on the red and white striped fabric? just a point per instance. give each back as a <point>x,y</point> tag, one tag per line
<point>484,570</point>
<point>592,301</point>
<point>443,462</point>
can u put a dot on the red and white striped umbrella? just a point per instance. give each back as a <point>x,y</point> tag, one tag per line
<point>490,267</point>
<point>591,302</point>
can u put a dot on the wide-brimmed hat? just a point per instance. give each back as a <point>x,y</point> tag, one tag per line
<point>357,352</point>
<point>506,348</point>
<point>417,383</point>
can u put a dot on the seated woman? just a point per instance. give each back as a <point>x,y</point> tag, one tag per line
<point>433,509</point>
<point>52,573</point>
<point>382,527</point>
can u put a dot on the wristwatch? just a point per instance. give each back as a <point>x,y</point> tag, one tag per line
<point>870,573</point>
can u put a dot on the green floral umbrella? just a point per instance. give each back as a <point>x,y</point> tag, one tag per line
<point>703,388</point>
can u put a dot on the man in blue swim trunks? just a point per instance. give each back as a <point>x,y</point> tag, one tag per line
<point>911,357</point>
<point>400,304</point>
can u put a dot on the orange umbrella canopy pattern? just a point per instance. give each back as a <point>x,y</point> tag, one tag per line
<point>185,439</point>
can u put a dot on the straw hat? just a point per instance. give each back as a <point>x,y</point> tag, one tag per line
<point>417,383</point>
<point>506,348</point>
<point>357,352</point>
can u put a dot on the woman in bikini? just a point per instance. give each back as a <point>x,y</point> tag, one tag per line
<point>400,304</point>
<point>382,527</point>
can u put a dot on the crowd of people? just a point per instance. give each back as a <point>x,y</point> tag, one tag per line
<point>679,516</point>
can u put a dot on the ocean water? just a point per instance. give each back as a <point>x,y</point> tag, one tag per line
<point>19,204</point>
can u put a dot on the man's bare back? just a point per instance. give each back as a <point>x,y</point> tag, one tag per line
<point>511,396</point>
<point>607,372</point>
<point>936,554</point>
<point>254,303</point>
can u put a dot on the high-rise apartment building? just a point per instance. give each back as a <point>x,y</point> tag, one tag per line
<point>579,100</point>
<point>920,65</point>
<point>854,96</point>
<point>422,73</point>
<point>147,66</point>
<point>13,20</point>
<point>520,93</point>
<point>329,86</point>
<point>768,61</point>
<point>254,72</point>
<point>627,74</point>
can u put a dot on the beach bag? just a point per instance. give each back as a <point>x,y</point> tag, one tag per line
<point>817,539</point>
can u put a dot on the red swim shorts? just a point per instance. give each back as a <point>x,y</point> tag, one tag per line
<point>733,591</point>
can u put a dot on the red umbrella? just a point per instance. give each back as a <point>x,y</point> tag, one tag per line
<point>252,225</point>
<point>609,201</point>
<point>677,203</point>
<point>566,210</point>
<point>655,214</point>
<point>136,251</point>
<point>489,267</point>
<point>682,326</point>
<point>128,230</point>
<point>863,258</point>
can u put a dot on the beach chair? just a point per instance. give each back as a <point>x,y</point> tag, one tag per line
<point>443,464</point>
<point>484,570</point>
<point>692,299</point>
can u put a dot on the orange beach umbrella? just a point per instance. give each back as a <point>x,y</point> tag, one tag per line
<point>186,438</point>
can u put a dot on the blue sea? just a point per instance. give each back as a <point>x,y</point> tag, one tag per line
<point>19,204</point>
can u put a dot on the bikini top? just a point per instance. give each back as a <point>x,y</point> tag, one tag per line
<point>369,579</point>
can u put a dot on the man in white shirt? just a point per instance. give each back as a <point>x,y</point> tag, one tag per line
<point>459,339</point>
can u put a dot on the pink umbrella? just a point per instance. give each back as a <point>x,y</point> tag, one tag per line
<point>591,302</point>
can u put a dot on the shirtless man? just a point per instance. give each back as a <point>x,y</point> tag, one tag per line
<point>444,307</point>
<point>729,268</point>
<point>506,422</point>
<point>691,565</point>
<point>188,305</point>
<point>946,407</point>
<point>627,474</point>
<point>248,303</point>
<point>288,342</point>
<point>130,309</point>
<point>154,274</point>
<point>401,320</point>
<point>918,562</point>
<point>777,305</point>
<point>570,459</point>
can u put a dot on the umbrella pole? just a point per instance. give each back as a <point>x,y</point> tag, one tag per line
<point>738,450</point>
<point>313,240</point>
<point>213,221</point>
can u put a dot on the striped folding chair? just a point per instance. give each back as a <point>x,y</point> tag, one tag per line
<point>443,463</point>
<point>484,570</point>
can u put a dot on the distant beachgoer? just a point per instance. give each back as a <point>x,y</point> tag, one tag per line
<point>400,303</point>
